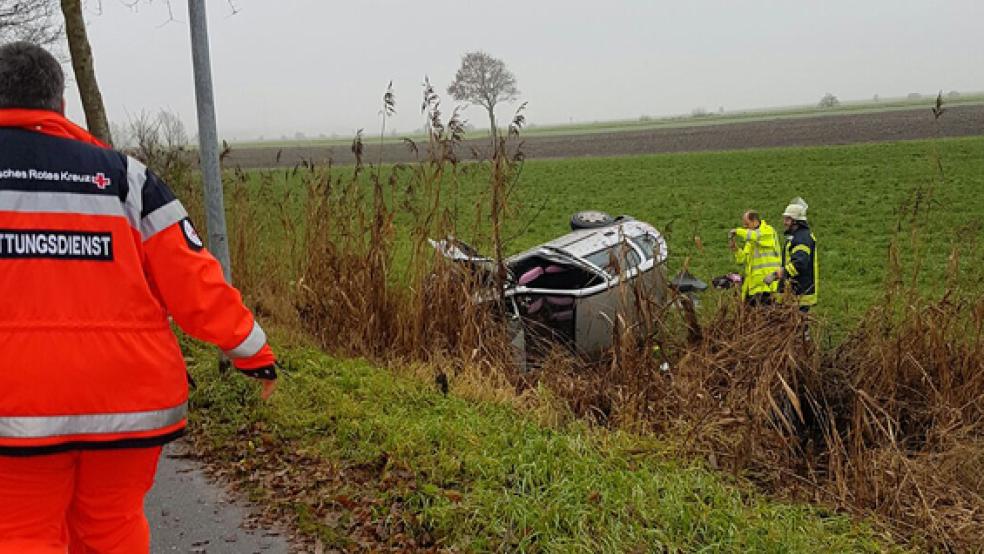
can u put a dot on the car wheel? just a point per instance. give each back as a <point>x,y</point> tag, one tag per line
<point>590,219</point>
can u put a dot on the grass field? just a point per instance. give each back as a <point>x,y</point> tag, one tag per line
<point>363,460</point>
<point>856,194</point>
<point>480,475</point>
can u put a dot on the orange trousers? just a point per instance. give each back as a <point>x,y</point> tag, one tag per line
<point>85,502</point>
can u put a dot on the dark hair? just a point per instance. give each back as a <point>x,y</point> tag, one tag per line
<point>30,78</point>
<point>753,215</point>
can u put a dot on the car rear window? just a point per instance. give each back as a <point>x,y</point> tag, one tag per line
<point>611,260</point>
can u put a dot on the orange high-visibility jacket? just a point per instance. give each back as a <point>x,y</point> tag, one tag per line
<point>95,254</point>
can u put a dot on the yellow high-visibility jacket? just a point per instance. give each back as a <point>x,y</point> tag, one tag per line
<point>759,257</point>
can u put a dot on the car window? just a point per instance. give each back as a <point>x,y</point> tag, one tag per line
<point>619,257</point>
<point>650,246</point>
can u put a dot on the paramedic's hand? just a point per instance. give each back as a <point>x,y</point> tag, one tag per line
<point>732,244</point>
<point>771,278</point>
<point>267,391</point>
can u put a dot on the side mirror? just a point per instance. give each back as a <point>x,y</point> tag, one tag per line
<point>684,282</point>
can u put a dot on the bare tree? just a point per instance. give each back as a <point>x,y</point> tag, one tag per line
<point>485,81</point>
<point>28,20</point>
<point>828,101</point>
<point>85,72</point>
<point>31,20</point>
<point>82,63</point>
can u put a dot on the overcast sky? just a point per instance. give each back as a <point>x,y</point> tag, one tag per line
<point>321,66</point>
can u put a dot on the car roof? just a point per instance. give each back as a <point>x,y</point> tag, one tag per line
<point>584,242</point>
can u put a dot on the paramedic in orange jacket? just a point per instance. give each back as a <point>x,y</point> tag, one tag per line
<point>96,254</point>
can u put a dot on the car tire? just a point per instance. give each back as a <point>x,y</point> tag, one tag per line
<point>590,219</point>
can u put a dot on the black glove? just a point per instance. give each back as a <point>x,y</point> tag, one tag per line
<point>267,373</point>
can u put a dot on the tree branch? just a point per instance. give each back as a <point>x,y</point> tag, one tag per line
<point>31,20</point>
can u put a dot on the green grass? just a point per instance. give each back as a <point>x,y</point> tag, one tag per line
<point>527,487</point>
<point>486,478</point>
<point>855,193</point>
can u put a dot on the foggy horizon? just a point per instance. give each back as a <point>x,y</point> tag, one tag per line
<point>574,62</point>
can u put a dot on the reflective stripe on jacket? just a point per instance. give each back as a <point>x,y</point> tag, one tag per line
<point>759,257</point>
<point>801,264</point>
<point>95,254</point>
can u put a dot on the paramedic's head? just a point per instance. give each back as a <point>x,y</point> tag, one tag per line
<point>751,219</point>
<point>30,78</point>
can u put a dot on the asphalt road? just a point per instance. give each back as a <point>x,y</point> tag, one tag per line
<point>188,513</point>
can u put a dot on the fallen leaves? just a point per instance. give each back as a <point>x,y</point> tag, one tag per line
<point>328,508</point>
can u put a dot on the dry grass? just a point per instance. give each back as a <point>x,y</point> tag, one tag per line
<point>911,439</point>
<point>887,424</point>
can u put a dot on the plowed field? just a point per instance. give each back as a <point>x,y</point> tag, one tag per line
<point>806,131</point>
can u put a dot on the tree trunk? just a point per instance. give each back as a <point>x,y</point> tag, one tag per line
<point>495,132</point>
<point>85,73</point>
<point>498,186</point>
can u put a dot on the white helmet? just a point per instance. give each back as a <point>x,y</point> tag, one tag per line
<point>796,209</point>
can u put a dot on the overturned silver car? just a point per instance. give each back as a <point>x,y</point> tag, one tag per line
<point>571,290</point>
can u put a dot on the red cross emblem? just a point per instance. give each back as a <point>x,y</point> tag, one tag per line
<point>101,181</point>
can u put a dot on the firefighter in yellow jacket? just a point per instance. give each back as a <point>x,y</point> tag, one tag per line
<point>759,257</point>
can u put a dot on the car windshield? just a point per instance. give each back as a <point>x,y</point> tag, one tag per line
<point>620,257</point>
<point>649,245</point>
